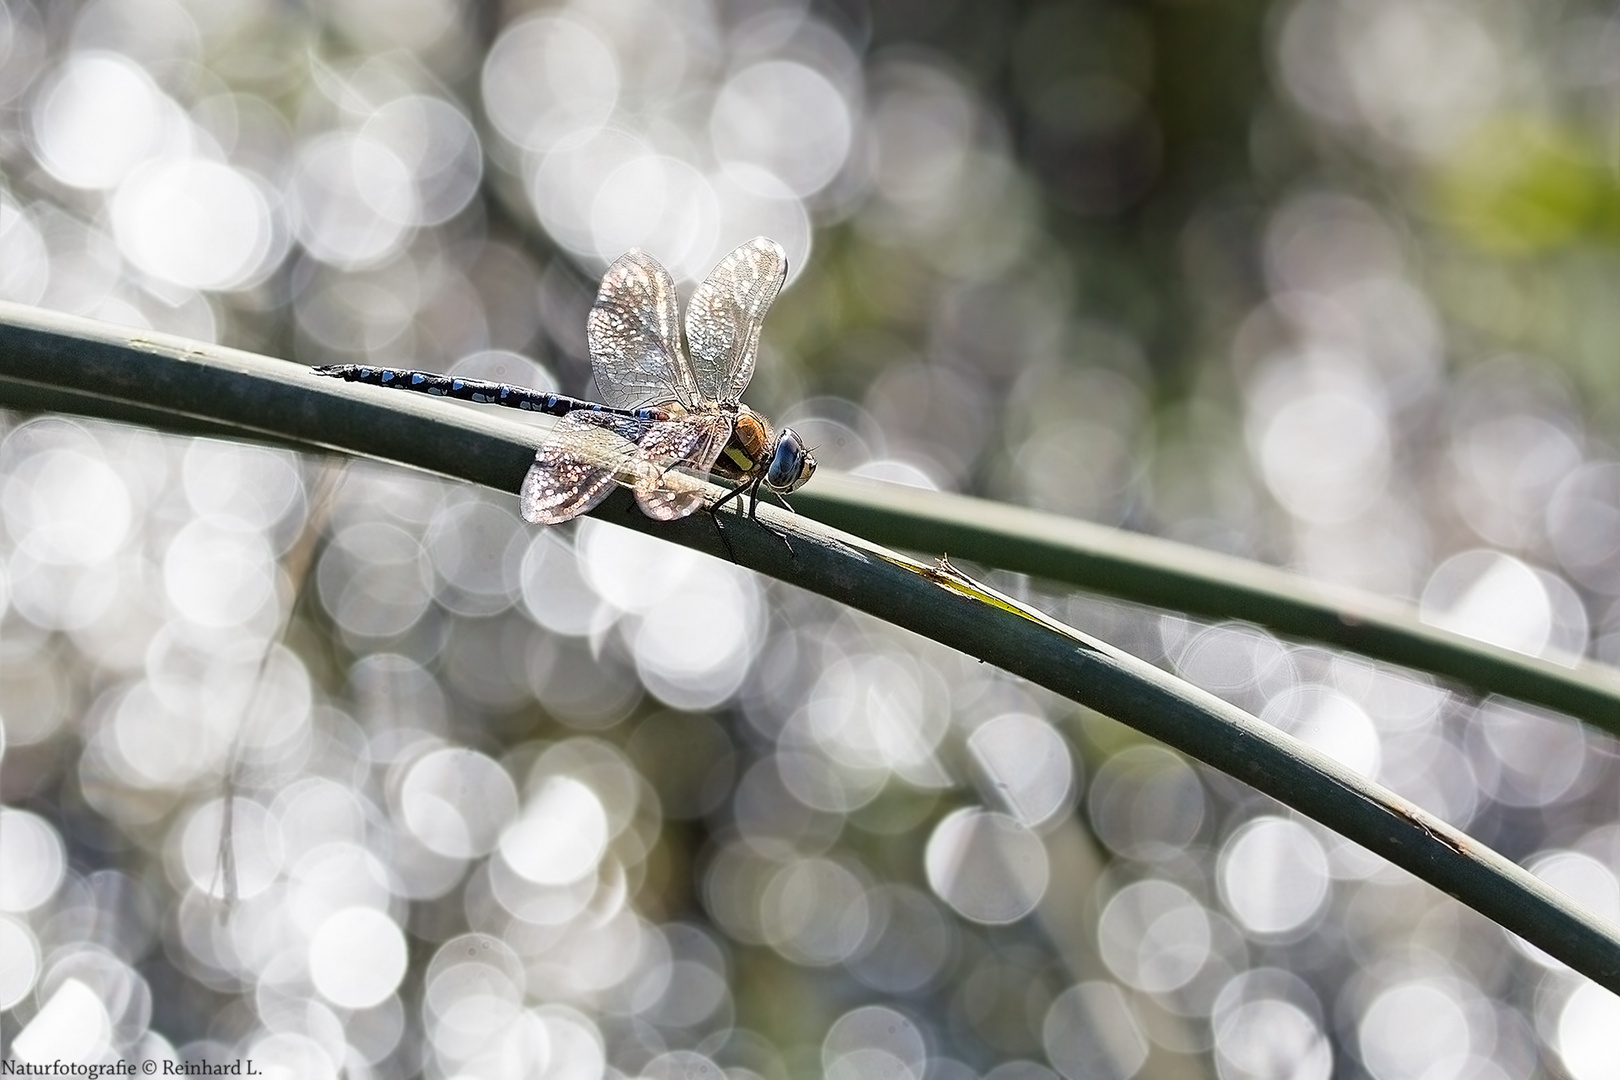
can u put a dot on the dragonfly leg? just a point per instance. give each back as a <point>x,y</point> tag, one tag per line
<point>714,516</point>
<point>751,489</point>
<point>724,539</point>
<point>723,536</point>
<point>753,514</point>
<point>732,494</point>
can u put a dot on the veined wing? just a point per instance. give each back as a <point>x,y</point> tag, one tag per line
<point>578,464</point>
<point>634,336</point>
<point>724,317</point>
<point>681,452</point>
<point>662,461</point>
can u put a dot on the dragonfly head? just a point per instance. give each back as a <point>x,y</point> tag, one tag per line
<point>791,465</point>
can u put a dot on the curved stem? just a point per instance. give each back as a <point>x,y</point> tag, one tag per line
<point>1148,570</point>
<point>64,363</point>
<point>111,371</point>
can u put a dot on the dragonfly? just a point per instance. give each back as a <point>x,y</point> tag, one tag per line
<point>667,417</point>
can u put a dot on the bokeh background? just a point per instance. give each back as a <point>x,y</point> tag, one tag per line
<point>1329,283</point>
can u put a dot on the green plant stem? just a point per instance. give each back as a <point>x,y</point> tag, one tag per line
<point>113,369</point>
<point>1148,570</point>
<point>64,363</point>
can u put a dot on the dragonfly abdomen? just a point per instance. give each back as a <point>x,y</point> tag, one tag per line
<point>478,390</point>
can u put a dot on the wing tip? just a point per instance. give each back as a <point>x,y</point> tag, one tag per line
<point>629,263</point>
<point>766,246</point>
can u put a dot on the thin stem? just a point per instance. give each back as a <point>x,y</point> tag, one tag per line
<point>112,370</point>
<point>1162,573</point>
<point>64,363</point>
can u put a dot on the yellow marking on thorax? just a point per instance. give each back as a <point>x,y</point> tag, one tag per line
<point>749,445</point>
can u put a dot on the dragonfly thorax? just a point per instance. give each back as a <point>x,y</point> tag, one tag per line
<point>758,454</point>
<point>748,452</point>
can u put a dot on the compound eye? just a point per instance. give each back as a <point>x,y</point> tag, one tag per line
<point>791,465</point>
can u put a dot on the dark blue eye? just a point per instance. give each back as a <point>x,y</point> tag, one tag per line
<point>791,465</point>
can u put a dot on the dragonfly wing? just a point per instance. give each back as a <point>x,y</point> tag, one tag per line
<point>725,314</point>
<point>576,467</point>
<point>634,336</point>
<point>681,452</point>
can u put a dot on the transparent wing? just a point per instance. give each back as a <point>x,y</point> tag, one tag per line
<point>724,317</point>
<point>576,467</point>
<point>682,452</point>
<point>634,335</point>
<point>663,461</point>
